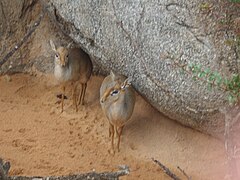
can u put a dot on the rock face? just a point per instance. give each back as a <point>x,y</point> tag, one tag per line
<point>15,17</point>
<point>145,39</point>
<point>19,24</point>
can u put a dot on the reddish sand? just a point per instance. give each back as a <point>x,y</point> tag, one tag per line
<point>39,140</point>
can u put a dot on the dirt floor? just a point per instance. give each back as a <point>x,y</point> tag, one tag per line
<point>39,140</point>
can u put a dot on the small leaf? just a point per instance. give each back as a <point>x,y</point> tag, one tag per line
<point>211,77</point>
<point>230,85</point>
<point>232,99</point>
<point>190,65</point>
<point>201,74</point>
<point>219,80</point>
<point>194,78</point>
<point>225,82</point>
<point>209,86</point>
<point>194,69</point>
<point>207,71</point>
<point>199,67</point>
<point>235,91</point>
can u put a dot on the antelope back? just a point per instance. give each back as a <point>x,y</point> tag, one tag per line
<point>81,64</point>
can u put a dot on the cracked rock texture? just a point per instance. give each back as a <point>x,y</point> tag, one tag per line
<point>143,39</point>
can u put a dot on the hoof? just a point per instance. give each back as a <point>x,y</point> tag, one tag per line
<point>59,96</point>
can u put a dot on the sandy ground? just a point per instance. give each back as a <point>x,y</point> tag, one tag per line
<point>39,140</point>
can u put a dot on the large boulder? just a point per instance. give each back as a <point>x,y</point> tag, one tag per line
<point>144,39</point>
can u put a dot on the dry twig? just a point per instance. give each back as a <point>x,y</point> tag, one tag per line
<point>123,170</point>
<point>166,170</point>
<point>184,173</point>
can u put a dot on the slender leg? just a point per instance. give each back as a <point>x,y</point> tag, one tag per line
<point>119,133</point>
<point>111,130</point>
<point>84,91</point>
<point>112,137</point>
<point>80,94</point>
<point>74,96</point>
<point>81,98</point>
<point>63,94</point>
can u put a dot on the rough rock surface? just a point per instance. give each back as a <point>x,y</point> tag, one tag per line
<point>14,18</point>
<point>141,39</point>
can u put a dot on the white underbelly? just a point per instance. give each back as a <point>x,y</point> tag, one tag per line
<point>62,74</point>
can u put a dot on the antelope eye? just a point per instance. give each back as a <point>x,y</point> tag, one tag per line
<point>114,92</point>
<point>56,55</point>
<point>67,56</point>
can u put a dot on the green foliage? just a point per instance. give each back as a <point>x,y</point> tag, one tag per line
<point>215,79</point>
<point>235,1</point>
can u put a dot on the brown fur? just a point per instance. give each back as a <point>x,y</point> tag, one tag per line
<point>74,65</point>
<point>117,99</point>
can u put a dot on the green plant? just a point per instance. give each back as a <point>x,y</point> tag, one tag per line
<point>235,1</point>
<point>232,86</point>
<point>215,79</point>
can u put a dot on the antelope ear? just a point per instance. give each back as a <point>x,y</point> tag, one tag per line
<point>113,76</point>
<point>53,46</point>
<point>69,45</point>
<point>127,82</point>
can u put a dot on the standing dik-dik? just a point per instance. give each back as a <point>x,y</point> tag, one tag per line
<point>74,65</point>
<point>117,99</point>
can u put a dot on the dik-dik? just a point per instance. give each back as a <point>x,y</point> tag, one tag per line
<point>72,65</point>
<point>117,99</point>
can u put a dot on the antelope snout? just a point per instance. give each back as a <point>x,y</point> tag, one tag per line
<point>63,64</point>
